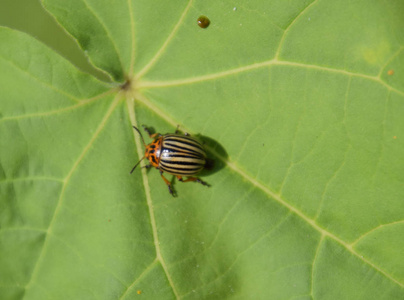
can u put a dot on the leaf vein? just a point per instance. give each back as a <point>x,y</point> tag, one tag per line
<point>236,71</point>
<point>156,57</point>
<point>314,262</point>
<point>374,229</point>
<point>292,163</point>
<point>382,145</point>
<point>289,26</point>
<point>57,111</point>
<point>61,197</point>
<point>159,257</point>
<point>331,179</point>
<point>132,30</point>
<point>44,83</point>
<point>390,60</point>
<point>141,275</point>
<point>91,10</point>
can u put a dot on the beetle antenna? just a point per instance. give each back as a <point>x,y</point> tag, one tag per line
<point>137,164</point>
<point>141,136</point>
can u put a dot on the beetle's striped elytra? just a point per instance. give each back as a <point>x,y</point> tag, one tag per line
<point>176,154</point>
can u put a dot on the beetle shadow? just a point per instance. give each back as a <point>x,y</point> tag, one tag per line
<point>214,150</point>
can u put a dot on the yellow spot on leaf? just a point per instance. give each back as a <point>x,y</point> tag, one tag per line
<point>376,54</point>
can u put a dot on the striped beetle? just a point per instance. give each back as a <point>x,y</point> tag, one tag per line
<point>176,154</point>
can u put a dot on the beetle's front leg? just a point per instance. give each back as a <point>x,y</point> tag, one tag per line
<point>177,131</point>
<point>154,135</point>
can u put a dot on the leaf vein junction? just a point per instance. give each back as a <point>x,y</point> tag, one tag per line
<point>375,229</point>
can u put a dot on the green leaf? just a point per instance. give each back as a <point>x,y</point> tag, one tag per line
<point>299,103</point>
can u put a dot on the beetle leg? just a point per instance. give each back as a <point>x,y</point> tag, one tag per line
<point>177,131</point>
<point>196,179</point>
<point>168,183</point>
<point>153,136</point>
<point>147,166</point>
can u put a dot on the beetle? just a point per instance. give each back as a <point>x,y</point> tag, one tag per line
<point>176,154</point>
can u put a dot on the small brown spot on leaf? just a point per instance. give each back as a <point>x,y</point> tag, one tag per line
<point>203,22</point>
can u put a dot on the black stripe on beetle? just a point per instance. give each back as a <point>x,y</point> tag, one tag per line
<point>181,147</point>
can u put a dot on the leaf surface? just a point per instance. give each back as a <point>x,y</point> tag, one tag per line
<point>299,103</point>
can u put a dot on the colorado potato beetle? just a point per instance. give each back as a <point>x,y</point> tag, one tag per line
<point>176,154</point>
